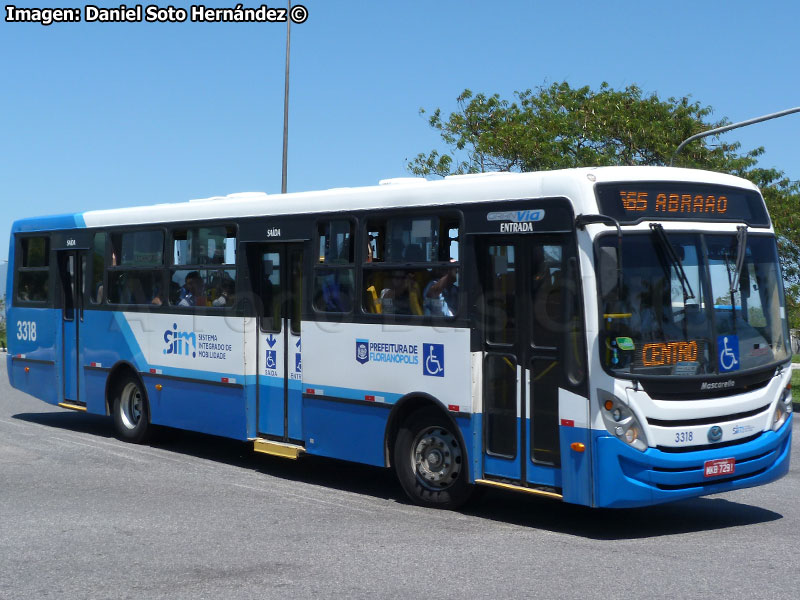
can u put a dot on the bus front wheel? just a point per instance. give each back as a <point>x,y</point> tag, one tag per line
<point>131,411</point>
<point>430,461</point>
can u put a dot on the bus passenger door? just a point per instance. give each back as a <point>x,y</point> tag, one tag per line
<point>72,271</point>
<point>523,329</point>
<point>279,348</point>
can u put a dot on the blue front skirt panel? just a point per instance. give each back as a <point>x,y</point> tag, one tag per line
<point>626,477</point>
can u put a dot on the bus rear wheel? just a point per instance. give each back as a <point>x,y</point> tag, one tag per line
<point>131,411</point>
<point>430,461</point>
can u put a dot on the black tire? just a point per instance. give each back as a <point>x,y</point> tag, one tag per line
<point>431,462</point>
<point>131,411</point>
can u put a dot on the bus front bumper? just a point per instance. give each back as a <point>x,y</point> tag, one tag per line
<point>626,477</point>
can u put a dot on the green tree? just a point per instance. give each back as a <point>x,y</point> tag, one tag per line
<point>558,127</point>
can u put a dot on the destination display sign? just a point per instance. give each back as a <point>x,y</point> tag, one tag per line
<point>634,201</point>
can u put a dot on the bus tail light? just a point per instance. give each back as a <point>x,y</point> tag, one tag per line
<point>622,423</point>
<point>783,409</point>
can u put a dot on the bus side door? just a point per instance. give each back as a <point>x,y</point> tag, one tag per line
<point>72,271</point>
<point>279,285</point>
<point>529,298</point>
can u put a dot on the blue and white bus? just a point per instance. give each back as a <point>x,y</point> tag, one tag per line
<point>611,337</point>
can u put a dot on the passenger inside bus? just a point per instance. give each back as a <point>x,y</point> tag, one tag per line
<point>334,291</point>
<point>226,295</point>
<point>100,292</point>
<point>129,289</point>
<point>192,291</point>
<point>441,293</point>
<point>402,297</point>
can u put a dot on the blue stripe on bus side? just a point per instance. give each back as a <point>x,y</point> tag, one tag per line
<point>131,345</point>
<point>188,402</point>
<point>350,393</point>
<point>132,352</point>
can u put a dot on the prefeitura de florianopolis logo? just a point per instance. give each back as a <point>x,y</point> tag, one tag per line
<point>362,351</point>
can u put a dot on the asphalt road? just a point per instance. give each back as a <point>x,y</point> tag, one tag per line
<point>83,515</point>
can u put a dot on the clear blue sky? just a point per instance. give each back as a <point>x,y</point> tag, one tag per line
<point>110,115</point>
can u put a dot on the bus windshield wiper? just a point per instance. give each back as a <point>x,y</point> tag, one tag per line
<point>672,255</point>
<point>741,249</point>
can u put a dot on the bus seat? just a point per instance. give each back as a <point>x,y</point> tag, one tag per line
<point>371,300</point>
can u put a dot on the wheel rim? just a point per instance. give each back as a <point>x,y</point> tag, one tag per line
<point>130,406</point>
<point>436,458</point>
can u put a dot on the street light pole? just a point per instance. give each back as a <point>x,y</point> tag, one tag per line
<point>782,113</point>
<point>286,103</point>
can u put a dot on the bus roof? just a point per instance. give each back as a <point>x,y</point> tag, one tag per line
<point>576,184</point>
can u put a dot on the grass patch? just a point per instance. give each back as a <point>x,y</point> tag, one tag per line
<point>796,358</point>
<point>796,386</point>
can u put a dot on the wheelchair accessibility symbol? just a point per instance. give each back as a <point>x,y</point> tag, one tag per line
<point>433,360</point>
<point>272,359</point>
<point>728,349</point>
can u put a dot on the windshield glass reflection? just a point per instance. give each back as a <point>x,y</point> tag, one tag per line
<point>683,308</point>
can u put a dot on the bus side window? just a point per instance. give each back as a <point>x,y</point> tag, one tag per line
<point>333,290</point>
<point>135,274</point>
<point>419,273</point>
<point>335,242</point>
<point>33,270</point>
<point>334,274</point>
<point>198,277</point>
<point>270,291</point>
<point>98,258</point>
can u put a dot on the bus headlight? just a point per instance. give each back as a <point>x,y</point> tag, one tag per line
<point>622,423</point>
<point>783,409</point>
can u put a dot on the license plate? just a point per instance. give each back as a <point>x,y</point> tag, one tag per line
<point>721,466</point>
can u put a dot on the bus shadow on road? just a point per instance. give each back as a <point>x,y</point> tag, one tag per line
<point>334,474</point>
<point>686,516</point>
<point>71,421</point>
<point>314,470</point>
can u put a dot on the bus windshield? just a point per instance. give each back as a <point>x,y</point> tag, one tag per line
<point>690,304</point>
